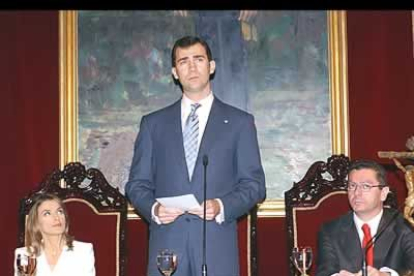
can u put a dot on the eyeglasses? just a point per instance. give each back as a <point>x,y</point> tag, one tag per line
<point>364,186</point>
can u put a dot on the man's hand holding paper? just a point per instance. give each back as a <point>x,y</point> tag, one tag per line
<point>169,209</point>
<point>212,209</point>
<point>184,202</point>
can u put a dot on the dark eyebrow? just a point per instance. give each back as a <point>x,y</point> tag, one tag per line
<point>181,59</point>
<point>186,58</point>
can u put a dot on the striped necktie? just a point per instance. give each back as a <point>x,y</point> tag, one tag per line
<point>190,139</point>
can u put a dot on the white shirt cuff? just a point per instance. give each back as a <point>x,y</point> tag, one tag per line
<point>153,216</point>
<point>383,269</point>
<point>220,216</point>
<point>389,270</point>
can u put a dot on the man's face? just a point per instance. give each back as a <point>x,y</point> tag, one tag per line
<point>366,204</point>
<point>193,70</point>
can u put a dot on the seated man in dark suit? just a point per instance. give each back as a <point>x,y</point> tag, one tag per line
<point>341,241</point>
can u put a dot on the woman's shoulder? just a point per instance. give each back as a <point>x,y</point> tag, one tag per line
<point>82,245</point>
<point>21,250</point>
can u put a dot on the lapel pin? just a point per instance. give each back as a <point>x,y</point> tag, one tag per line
<point>226,121</point>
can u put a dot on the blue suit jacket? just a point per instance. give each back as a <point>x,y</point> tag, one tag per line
<point>234,174</point>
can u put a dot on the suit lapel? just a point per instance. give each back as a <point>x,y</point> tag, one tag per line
<point>215,126</point>
<point>350,244</point>
<point>384,242</point>
<point>174,129</point>
<point>174,120</point>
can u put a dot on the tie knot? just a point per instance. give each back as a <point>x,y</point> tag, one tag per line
<point>366,229</point>
<point>194,108</point>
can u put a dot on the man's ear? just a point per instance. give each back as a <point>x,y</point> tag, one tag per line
<point>384,193</point>
<point>212,66</point>
<point>174,72</point>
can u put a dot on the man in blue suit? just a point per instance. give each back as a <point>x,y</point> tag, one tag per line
<point>164,165</point>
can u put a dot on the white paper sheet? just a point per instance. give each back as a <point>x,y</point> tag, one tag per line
<point>183,202</point>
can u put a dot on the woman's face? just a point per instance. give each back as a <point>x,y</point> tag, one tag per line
<point>51,218</point>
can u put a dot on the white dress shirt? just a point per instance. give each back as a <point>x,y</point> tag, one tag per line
<point>203,112</point>
<point>80,261</point>
<point>373,225</point>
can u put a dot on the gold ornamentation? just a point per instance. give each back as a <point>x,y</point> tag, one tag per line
<point>408,174</point>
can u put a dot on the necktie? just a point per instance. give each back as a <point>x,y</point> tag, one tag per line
<point>190,139</point>
<point>367,238</point>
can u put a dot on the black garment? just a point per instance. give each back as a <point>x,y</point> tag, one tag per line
<point>339,246</point>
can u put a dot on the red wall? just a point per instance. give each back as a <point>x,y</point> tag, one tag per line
<point>380,95</point>
<point>381,85</point>
<point>29,113</point>
<point>381,71</point>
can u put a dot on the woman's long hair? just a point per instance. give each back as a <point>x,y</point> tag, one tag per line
<point>33,235</point>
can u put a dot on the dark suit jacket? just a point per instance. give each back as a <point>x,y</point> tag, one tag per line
<point>339,246</point>
<point>234,174</point>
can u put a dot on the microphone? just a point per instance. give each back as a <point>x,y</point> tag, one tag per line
<point>372,241</point>
<point>204,265</point>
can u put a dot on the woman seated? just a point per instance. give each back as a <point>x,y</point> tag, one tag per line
<point>47,238</point>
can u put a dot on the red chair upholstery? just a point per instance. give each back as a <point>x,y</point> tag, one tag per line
<point>97,212</point>
<point>318,198</point>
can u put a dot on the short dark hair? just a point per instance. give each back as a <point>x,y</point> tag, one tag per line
<point>188,41</point>
<point>369,164</point>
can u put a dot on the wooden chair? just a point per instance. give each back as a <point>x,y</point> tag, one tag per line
<point>247,234</point>
<point>97,212</point>
<point>319,197</point>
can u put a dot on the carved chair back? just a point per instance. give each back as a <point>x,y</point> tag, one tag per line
<point>97,212</point>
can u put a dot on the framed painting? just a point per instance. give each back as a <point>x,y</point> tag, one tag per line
<point>287,68</point>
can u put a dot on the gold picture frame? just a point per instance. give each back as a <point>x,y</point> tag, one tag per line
<point>338,89</point>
